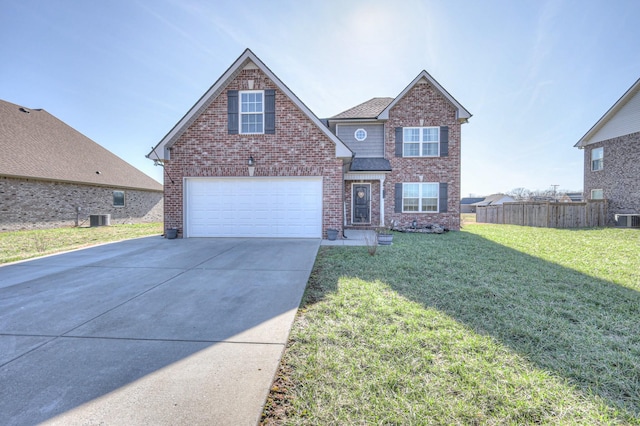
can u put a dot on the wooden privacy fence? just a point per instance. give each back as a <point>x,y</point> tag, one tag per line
<point>546,214</point>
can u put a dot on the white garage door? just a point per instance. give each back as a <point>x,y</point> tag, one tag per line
<point>254,207</point>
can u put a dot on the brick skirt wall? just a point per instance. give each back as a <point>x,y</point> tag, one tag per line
<point>34,204</point>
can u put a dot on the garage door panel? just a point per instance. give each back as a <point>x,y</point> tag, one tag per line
<point>253,207</point>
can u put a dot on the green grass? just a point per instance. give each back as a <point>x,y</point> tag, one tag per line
<point>491,325</point>
<point>21,245</point>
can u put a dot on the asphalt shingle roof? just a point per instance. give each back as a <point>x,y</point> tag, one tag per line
<point>370,165</point>
<point>471,200</point>
<point>369,109</point>
<point>35,144</point>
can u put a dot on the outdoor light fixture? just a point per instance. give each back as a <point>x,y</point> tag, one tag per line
<point>252,165</point>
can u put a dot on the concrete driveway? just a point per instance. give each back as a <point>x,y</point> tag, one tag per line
<point>148,331</point>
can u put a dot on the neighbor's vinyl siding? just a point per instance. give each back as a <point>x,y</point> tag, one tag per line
<point>371,147</point>
<point>624,122</point>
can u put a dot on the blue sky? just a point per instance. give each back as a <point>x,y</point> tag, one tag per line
<point>535,74</point>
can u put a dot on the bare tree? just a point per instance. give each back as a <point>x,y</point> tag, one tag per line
<point>520,194</point>
<point>524,194</point>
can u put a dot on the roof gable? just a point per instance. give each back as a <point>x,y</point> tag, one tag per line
<point>461,113</point>
<point>37,145</point>
<point>247,59</point>
<point>621,119</point>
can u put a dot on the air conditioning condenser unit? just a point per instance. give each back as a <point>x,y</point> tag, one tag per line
<point>628,220</point>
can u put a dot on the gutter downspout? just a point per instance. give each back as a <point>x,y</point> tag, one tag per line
<point>344,201</point>
<point>382,200</point>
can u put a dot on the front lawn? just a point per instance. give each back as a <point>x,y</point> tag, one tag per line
<point>495,324</point>
<point>19,245</point>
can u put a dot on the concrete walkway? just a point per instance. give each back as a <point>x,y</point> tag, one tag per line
<point>353,237</point>
<point>148,331</point>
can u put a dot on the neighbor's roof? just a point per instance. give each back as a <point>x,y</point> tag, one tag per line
<point>493,199</point>
<point>35,144</point>
<point>247,59</point>
<point>627,119</point>
<point>369,109</point>
<point>471,200</point>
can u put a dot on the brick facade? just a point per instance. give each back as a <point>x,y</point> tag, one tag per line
<point>619,177</point>
<point>424,102</point>
<point>36,204</point>
<point>298,148</point>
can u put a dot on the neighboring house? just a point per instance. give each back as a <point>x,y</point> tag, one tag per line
<point>494,200</point>
<point>612,156</point>
<point>571,197</point>
<point>51,175</point>
<point>467,204</point>
<point>249,159</point>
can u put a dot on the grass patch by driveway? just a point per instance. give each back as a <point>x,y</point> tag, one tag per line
<point>19,245</point>
<point>491,325</point>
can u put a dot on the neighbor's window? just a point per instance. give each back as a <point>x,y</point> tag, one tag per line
<point>421,141</point>
<point>597,155</point>
<point>118,198</point>
<point>360,134</point>
<point>597,194</point>
<point>252,112</point>
<point>420,197</point>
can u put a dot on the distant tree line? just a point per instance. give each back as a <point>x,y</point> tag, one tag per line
<point>551,194</point>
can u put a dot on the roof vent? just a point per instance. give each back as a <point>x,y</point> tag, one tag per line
<point>23,109</point>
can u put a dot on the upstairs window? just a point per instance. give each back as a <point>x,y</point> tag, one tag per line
<point>421,142</point>
<point>252,112</point>
<point>597,154</point>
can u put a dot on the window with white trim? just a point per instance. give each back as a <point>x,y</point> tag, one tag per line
<point>597,194</point>
<point>597,155</point>
<point>360,135</point>
<point>118,198</point>
<point>252,111</point>
<point>421,141</point>
<point>420,197</point>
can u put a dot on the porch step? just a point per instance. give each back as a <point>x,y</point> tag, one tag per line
<point>360,227</point>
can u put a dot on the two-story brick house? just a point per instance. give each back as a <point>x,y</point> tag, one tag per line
<point>249,159</point>
<point>612,156</point>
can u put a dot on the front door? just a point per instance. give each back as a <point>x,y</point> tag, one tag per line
<point>361,203</point>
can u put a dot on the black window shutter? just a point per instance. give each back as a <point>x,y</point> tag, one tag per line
<point>270,112</point>
<point>398,198</point>
<point>444,141</point>
<point>444,197</point>
<point>232,111</point>
<point>398,141</point>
